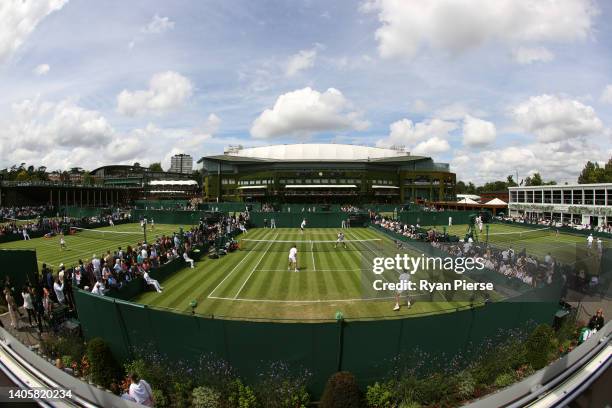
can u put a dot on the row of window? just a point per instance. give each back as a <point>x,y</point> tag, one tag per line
<point>572,197</point>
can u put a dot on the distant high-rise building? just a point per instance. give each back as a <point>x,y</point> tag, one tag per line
<point>181,163</point>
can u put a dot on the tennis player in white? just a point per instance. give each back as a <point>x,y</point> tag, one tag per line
<point>62,242</point>
<point>340,240</point>
<point>293,258</point>
<point>404,278</point>
<point>303,225</point>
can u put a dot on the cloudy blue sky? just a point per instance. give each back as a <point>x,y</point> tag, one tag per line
<point>491,87</point>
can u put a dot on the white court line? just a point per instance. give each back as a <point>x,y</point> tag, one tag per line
<point>231,272</point>
<point>311,301</point>
<point>314,266</point>
<point>299,301</point>
<point>320,270</point>
<point>255,267</point>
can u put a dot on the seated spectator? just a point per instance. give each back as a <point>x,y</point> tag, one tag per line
<point>152,282</point>
<point>597,321</point>
<point>188,259</point>
<point>140,391</point>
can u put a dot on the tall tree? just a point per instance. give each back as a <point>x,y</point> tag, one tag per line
<point>156,167</point>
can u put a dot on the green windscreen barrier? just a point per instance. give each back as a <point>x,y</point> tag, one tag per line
<point>369,349</point>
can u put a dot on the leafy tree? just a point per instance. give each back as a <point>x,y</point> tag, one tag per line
<point>156,167</point>
<point>22,176</point>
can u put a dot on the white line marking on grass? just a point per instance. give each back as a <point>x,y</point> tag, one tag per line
<point>231,272</point>
<point>320,270</point>
<point>314,265</point>
<point>256,265</point>
<point>300,301</point>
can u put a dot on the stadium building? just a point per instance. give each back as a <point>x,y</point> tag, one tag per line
<point>579,204</point>
<point>325,173</point>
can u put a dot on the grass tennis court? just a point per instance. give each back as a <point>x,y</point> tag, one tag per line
<point>537,240</point>
<point>84,245</point>
<point>255,283</point>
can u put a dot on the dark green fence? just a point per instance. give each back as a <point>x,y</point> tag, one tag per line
<point>169,216</point>
<point>21,267</point>
<point>367,348</point>
<point>229,207</point>
<point>435,217</point>
<point>160,204</point>
<point>80,212</point>
<point>293,220</point>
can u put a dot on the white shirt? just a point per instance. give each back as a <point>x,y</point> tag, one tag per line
<point>27,301</point>
<point>59,291</point>
<point>142,393</point>
<point>96,264</point>
<point>303,224</point>
<point>292,252</point>
<point>98,289</point>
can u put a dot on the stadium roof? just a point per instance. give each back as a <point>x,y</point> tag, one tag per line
<point>315,152</point>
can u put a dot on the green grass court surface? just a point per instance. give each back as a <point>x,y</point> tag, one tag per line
<point>84,245</point>
<point>537,240</point>
<point>254,283</point>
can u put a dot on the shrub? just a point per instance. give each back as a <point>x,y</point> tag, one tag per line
<point>205,397</point>
<point>67,361</point>
<point>180,393</point>
<point>540,345</point>
<point>160,399</point>
<point>341,391</point>
<point>409,404</point>
<point>281,387</point>
<point>153,373</point>
<point>437,387</point>
<point>504,380</point>
<point>242,396</point>
<point>466,385</point>
<point>103,368</point>
<point>380,395</point>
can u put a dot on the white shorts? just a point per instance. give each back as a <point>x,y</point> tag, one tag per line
<point>292,259</point>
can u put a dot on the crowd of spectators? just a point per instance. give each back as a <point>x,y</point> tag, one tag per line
<point>504,260</point>
<point>552,223</point>
<point>350,208</point>
<point>50,226</point>
<point>24,212</point>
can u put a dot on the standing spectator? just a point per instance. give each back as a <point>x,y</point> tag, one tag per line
<point>28,305</point>
<point>38,308</point>
<point>12,307</point>
<point>58,288</point>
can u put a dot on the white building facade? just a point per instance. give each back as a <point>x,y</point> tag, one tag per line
<point>577,204</point>
<point>181,163</point>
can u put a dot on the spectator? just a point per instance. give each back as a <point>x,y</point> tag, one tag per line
<point>152,282</point>
<point>12,307</point>
<point>28,305</point>
<point>58,288</point>
<point>140,391</point>
<point>597,321</point>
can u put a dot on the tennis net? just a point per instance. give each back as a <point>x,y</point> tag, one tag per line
<point>266,245</point>
<point>119,236</point>
<point>518,235</point>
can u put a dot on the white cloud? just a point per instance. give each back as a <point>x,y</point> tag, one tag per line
<point>19,18</point>
<point>478,132</point>
<point>560,161</point>
<point>606,95</point>
<point>529,55</point>
<point>167,91</point>
<point>431,147</point>
<point>304,59</point>
<point>419,106</point>
<point>455,26</point>
<point>552,118</point>
<point>63,134</point>
<point>306,111</point>
<point>158,25</point>
<point>41,69</point>
<point>406,133</point>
